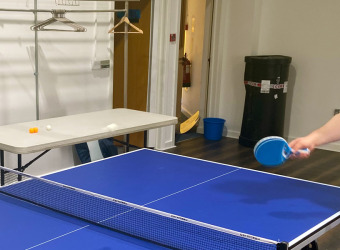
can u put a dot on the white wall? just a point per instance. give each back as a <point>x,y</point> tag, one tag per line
<point>67,83</point>
<point>306,30</point>
<point>232,39</point>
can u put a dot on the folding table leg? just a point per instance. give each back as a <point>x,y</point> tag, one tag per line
<point>2,163</point>
<point>127,143</point>
<point>145,138</point>
<point>19,166</point>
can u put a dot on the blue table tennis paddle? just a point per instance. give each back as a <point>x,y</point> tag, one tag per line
<point>274,151</point>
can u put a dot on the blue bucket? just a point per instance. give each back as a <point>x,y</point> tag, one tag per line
<point>213,128</point>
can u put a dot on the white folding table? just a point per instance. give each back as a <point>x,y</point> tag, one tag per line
<point>74,129</point>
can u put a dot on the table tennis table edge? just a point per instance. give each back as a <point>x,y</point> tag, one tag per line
<point>300,241</point>
<point>315,232</point>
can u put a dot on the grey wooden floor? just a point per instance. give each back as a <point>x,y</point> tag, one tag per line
<point>322,166</point>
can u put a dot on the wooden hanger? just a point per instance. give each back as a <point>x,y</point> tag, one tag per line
<point>126,20</point>
<point>58,16</point>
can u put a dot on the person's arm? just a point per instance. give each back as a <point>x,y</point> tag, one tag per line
<point>327,133</point>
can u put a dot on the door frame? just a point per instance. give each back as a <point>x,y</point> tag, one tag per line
<point>163,70</point>
<point>206,62</point>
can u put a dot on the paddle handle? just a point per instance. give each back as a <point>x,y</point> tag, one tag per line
<point>304,151</point>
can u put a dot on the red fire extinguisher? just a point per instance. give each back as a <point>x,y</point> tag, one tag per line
<point>186,71</point>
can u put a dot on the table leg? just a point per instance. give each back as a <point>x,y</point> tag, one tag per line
<point>145,138</point>
<point>2,163</point>
<point>127,143</point>
<point>19,166</point>
<point>311,246</point>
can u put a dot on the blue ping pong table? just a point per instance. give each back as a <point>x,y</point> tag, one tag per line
<point>157,200</point>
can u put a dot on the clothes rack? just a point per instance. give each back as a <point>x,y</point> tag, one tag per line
<point>59,15</point>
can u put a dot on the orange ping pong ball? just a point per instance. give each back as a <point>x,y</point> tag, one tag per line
<point>33,130</point>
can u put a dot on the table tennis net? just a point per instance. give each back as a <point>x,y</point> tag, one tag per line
<point>139,221</point>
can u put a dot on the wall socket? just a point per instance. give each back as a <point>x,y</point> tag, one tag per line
<point>336,111</point>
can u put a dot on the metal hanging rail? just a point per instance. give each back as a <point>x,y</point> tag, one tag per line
<point>35,11</point>
<point>76,2</point>
<point>108,0</point>
<point>36,65</point>
<point>66,11</point>
<point>53,11</point>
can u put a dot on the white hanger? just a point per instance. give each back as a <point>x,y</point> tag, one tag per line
<point>58,16</point>
<point>67,2</point>
<point>126,20</point>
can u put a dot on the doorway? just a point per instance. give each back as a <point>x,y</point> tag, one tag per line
<point>194,54</point>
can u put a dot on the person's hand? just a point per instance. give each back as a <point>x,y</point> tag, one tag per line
<point>327,133</point>
<point>302,143</point>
